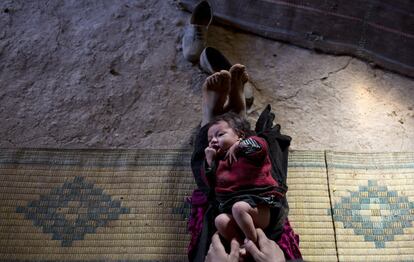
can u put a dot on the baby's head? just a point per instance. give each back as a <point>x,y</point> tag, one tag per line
<point>227,129</point>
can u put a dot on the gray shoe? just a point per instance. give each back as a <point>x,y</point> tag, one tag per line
<point>212,60</point>
<point>195,34</point>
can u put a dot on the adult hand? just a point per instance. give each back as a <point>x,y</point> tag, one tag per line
<point>268,250</point>
<point>210,155</point>
<point>217,253</point>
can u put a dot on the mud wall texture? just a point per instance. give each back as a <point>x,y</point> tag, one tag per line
<point>110,74</point>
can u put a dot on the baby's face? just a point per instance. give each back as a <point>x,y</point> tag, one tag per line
<point>221,136</point>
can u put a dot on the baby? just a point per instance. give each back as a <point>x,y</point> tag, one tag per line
<point>237,162</point>
<point>236,180</point>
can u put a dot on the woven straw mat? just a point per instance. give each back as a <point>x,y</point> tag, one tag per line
<point>130,205</point>
<point>373,205</point>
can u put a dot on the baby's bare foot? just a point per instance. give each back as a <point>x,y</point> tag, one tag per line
<point>215,91</point>
<point>237,99</point>
<point>239,76</point>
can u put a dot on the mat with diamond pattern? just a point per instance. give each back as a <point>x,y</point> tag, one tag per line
<point>373,205</point>
<point>110,205</point>
<point>130,205</point>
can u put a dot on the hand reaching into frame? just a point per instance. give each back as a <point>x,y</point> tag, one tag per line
<point>217,253</point>
<point>267,251</point>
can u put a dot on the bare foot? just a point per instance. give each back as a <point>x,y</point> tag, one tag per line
<point>237,101</point>
<point>215,91</point>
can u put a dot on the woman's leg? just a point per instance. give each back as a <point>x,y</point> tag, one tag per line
<point>237,100</point>
<point>215,91</point>
<point>249,218</point>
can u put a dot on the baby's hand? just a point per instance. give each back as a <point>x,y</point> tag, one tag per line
<point>231,153</point>
<point>210,155</point>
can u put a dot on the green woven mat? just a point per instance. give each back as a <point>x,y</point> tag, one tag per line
<point>129,205</point>
<point>110,205</point>
<point>373,205</point>
<point>308,198</point>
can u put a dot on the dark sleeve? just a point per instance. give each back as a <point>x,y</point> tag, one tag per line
<point>253,147</point>
<point>210,171</point>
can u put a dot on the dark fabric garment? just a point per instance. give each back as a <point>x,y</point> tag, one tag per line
<point>198,159</point>
<point>199,206</point>
<point>278,145</point>
<point>379,32</point>
<point>203,242</point>
<point>281,232</point>
<point>253,196</point>
<point>289,242</point>
<point>256,196</point>
<point>273,203</point>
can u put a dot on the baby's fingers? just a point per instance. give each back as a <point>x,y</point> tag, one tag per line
<point>232,158</point>
<point>228,157</point>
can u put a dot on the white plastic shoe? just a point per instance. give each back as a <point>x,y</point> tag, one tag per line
<point>195,34</point>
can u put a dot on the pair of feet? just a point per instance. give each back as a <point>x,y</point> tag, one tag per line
<point>224,91</point>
